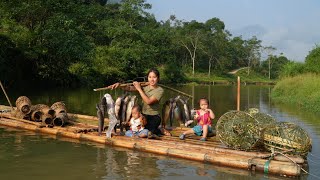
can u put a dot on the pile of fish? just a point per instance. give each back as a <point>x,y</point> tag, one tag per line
<point>171,111</point>
<point>119,112</point>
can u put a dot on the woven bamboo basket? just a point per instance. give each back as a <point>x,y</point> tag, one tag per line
<point>43,113</point>
<point>59,107</point>
<point>287,137</point>
<point>23,104</point>
<point>238,130</point>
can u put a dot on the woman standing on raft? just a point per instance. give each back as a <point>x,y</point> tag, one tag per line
<point>151,96</point>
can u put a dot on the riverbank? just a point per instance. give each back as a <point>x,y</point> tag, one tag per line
<point>252,78</point>
<point>302,90</point>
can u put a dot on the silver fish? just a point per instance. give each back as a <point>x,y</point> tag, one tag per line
<point>101,107</point>
<point>186,111</point>
<point>193,112</point>
<point>117,106</point>
<point>172,108</point>
<point>166,113</point>
<point>123,112</point>
<point>111,114</point>
<point>131,103</point>
<point>178,115</point>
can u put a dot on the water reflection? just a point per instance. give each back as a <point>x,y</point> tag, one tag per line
<point>46,157</point>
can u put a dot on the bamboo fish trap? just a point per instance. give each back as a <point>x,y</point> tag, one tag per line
<point>238,130</point>
<point>243,130</point>
<point>287,137</point>
<point>23,104</point>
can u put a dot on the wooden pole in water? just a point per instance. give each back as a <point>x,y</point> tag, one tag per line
<point>4,91</point>
<point>238,94</point>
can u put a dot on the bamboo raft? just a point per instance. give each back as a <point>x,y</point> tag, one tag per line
<point>83,127</point>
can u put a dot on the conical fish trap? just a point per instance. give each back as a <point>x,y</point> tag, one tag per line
<point>42,112</point>
<point>45,109</point>
<point>285,136</point>
<point>238,130</point>
<point>264,120</point>
<point>23,104</point>
<point>59,107</point>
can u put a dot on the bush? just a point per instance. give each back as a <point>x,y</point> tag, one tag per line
<point>302,90</point>
<point>173,74</point>
<point>313,60</point>
<point>292,69</point>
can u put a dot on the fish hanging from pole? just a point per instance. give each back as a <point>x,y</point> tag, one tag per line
<point>111,114</point>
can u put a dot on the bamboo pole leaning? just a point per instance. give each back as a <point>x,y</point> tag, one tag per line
<point>5,93</point>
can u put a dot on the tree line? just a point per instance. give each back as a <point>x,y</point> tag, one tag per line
<point>94,42</point>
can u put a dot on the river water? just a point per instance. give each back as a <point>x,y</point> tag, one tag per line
<point>28,155</point>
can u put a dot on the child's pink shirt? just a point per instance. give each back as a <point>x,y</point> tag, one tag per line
<point>204,119</point>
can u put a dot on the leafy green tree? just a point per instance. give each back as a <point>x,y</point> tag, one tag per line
<point>253,46</point>
<point>275,65</point>
<point>313,60</point>
<point>190,36</point>
<point>291,69</point>
<point>214,44</point>
<point>172,74</point>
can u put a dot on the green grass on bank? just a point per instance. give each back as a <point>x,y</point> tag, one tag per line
<point>253,77</point>
<point>303,90</point>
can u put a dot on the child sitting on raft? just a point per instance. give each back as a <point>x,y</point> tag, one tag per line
<point>137,123</point>
<point>203,116</point>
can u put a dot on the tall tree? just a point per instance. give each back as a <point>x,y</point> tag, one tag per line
<point>190,36</point>
<point>253,46</point>
<point>269,50</point>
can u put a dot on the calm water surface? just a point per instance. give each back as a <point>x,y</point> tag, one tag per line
<point>27,155</point>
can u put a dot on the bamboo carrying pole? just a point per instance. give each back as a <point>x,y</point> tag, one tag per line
<point>145,84</point>
<point>4,91</point>
<point>238,94</point>
<point>121,85</point>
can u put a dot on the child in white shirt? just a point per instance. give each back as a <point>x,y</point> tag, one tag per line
<point>137,123</point>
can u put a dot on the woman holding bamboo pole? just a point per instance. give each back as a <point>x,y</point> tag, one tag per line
<point>151,96</point>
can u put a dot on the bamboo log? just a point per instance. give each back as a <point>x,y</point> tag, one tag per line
<point>21,120</point>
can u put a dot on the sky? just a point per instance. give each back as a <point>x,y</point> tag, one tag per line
<point>291,26</point>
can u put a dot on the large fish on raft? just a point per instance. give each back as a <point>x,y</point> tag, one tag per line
<point>178,115</point>
<point>173,106</point>
<point>101,108</point>
<point>117,106</point>
<point>193,112</point>
<point>166,112</point>
<point>111,114</point>
<point>188,119</point>
<point>186,110</point>
<point>130,105</point>
<point>123,112</point>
